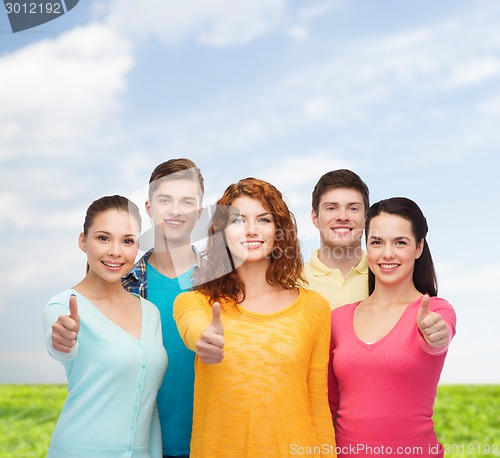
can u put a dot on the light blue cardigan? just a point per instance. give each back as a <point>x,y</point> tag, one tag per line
<point>113,380</point>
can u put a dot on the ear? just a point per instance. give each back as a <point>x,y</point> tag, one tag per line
<point>147,206</point>
<point>420,249</point>
<point>82,242</point>
<point>314,219</point>
<point>200,212</point>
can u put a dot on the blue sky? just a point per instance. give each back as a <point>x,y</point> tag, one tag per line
<point>406,94</point>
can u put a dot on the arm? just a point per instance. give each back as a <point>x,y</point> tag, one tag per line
<point>333,393</point>
<point>436,321</point>
<point>200,326</point>
<point>61,329</point>
<point>317,379</point>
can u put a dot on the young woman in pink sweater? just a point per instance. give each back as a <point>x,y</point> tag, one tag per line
<point>387,352</point>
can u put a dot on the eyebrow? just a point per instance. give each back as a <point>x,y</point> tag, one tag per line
<point>109,233</point>
<point>258,216</point>
<point>183,197</point>
<point>401,237</point>
<point>338,203</point>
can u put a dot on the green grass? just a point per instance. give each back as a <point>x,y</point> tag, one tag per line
<point>467,419</point>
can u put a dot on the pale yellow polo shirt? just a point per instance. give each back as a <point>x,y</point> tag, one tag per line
<point>331,283</point>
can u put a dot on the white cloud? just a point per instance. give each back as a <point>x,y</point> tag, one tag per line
<point>58,92</point>
<point>214,23</point>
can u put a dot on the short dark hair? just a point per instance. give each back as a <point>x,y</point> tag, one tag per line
<point>341,178</point>
<point>424,274</point>
<point>175,169</point>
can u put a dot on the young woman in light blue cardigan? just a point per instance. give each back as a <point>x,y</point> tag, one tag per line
<point>109,342</point>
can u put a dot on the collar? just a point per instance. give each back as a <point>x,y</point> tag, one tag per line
<point>322,270</point>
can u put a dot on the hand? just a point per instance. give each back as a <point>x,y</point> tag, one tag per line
<point>210,346</point>
<point>431,324</point>
<point>66,328</point>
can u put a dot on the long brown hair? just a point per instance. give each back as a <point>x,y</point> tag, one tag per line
<point>217,277</point>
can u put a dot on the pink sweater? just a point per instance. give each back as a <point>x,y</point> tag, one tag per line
<point>382,394</point>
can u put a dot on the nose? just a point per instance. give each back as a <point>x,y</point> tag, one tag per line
<point>114,249</point>
<point>341,214</point>
<point>174,208</point>
<point>388,251</point>
<point>250,227</point>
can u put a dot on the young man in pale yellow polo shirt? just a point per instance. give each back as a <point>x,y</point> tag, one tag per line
<point>339,270</point>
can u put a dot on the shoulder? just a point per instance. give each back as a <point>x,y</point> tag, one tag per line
<point>314,300</point>
<point>61,299</point>
<point>189,297</point>
<point>344,310</point>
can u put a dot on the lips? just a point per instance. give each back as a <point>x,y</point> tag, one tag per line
<point>341,230</point>
<point>112,265</point>
<point>389,266</point>
<point>252,244</point>
<point>174,222</point>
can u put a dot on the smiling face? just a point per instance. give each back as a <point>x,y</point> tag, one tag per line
<point>340,218</point>
<point>175,207</point>
<point>251,231</point>
<point>392,249</point>
<point>111,244</point>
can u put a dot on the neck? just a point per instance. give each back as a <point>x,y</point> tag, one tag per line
<point>391,294</point>
<point>173,261</point>
<point>342,258</point>
<point>254,277</point>
<point>94,287</point>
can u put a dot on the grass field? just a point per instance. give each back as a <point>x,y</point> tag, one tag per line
<point>467,419</point>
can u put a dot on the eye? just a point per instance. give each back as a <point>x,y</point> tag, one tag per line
<point>354,209</point>
<point>237,220</point>
<point>375,242</point>
<point>401,243</point>
<point>129,241</point>
<point>102,238</point>
<point>330,208</point>
<point>265,220</point>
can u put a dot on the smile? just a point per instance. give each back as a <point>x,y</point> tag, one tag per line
<point>341,230</point>
<point>388,266</point>
<point>112,265</point>
<point>254,244</point>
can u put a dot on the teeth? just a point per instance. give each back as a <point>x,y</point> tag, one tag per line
<point>252,244</point>
<point>342,230</point>
<point>111,265</point>
<point>174,223</point>
<point>388,266</point>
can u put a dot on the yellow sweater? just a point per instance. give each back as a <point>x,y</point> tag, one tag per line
<point>268,398</point>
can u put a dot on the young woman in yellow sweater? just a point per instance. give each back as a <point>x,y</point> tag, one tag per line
<point>261,340</point>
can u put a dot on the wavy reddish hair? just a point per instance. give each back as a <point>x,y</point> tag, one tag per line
<point>286,264</point>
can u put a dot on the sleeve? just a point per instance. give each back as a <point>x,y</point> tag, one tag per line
<point>52,311</point>
<point>333,389</point>
<point>155,444</point>
<point>317,379</point>
<point>445,309</point>
<point>192,316</point>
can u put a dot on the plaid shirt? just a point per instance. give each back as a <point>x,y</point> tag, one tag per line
<point>136,280</point>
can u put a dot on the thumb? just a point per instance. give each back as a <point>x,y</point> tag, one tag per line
<point>73,309</point>
<point>216,319</point>
<point>424,308</point>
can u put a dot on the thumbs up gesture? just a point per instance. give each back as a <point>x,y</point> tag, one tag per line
<point>66,328</point>
<point>210,346</point>
<point>431,324</point>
